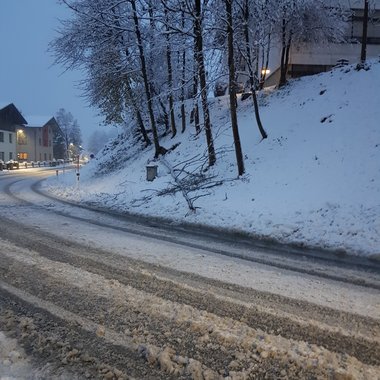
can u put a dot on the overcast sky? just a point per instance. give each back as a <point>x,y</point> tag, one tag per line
<point>27,77</point>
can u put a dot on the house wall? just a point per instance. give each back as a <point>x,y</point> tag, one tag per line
<point>330,54</point>
<point>35,144</point>
<point>7,145</point>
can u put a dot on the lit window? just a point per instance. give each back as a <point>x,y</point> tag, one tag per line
<point>21,137</point>
<point>22,156</point>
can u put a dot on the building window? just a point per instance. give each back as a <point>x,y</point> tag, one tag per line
<point>49,156</point>
<point>21,137</point>
<point>45,157</point>
<point>49,142</point>
<point>2,156</point>
<point>1,136</point>
<point>11,155</point>
<point>45,136</point>
<point>39,141</point>
<point>10,138</point>
<point>23,156</point>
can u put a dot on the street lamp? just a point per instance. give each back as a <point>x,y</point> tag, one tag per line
<point>70,151</point>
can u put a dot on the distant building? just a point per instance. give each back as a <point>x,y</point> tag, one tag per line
<point>312,58</point>
<point>35,141</point>
<point>10,121</point>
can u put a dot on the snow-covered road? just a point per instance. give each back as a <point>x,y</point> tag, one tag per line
<point>100,296</point>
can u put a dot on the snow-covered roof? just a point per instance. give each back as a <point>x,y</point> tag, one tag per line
<point>37,121</point>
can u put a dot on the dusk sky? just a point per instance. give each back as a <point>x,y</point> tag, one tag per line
<point>28,77</point>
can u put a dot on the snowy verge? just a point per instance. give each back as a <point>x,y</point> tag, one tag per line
<point>314,182</point>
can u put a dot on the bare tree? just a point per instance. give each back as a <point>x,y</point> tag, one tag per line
<point>199,54</point>
<point>98,40</point>
<point>183,78</point>
<point>363,54</point>
<point>71,132</point>
<point>170,75</point>
<point>232,87</point>
<point>158,148</point>
<point>248,57</point>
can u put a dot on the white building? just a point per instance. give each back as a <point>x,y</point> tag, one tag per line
<point>10,120</point>
<point>312,58</point>
<point>36,140</point>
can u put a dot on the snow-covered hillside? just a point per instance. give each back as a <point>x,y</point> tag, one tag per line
<point>314,181</point>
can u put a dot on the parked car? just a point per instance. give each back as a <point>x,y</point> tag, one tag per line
<point>10,165</point>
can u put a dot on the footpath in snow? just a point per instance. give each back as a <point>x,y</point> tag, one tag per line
<point>314,181</point>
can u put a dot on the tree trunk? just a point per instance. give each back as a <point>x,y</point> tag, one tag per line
<point>195,111</point>
<point>265,66</point>
<point>158,149</point>
<point>202,79</point>
<point>252,81</point>
<point>232,88</point>
<point>183,81</point>
<point>283,52</point>
<point>363,55</point>
<point>139,118</point>
<point>170,76</point>
<point>129,90</point>
<point>287,52</point>
<point>166,116</point>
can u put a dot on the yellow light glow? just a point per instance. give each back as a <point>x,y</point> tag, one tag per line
<point>265,71</point>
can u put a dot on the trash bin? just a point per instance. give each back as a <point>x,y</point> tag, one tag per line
<point>151,172</point>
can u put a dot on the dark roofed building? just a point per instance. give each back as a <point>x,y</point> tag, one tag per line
<point>10,120</point>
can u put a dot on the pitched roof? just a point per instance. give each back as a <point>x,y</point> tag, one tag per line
<point>10,113</point>
<point>4,104</point>
<point>42,121</point>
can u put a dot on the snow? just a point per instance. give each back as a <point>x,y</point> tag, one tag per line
<point>16,365</point>
<point>13,361</point>
<point>315,181</point>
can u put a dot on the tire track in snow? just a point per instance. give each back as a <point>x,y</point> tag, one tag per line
<point>106,302</point>
<point>356,273</point>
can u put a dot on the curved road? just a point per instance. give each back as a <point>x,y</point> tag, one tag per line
<point>88,294</point>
